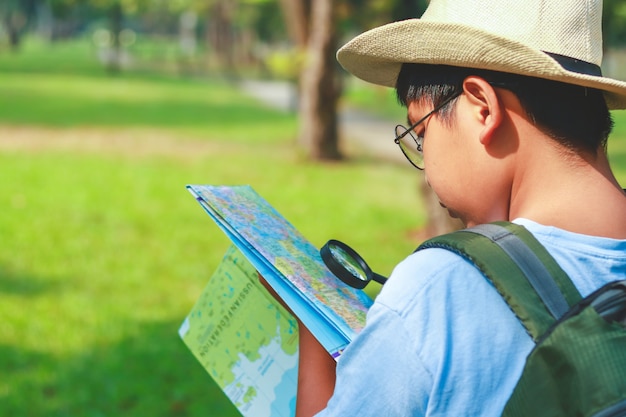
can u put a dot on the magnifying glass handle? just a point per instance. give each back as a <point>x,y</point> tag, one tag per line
<point>379,278</point>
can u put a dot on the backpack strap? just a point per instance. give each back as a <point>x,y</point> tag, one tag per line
<point>531,282</point>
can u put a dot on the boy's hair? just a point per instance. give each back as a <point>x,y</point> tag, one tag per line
<point>576,117</point>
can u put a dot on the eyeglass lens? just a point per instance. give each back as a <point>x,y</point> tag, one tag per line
<point>411,146</point>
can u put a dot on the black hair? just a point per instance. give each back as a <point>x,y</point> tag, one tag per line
<point>575,116</point>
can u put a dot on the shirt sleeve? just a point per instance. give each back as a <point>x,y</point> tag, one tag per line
<point>439,341</point>
<point>368,381</point>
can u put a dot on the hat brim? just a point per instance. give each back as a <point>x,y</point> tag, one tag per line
<point>377,55</point>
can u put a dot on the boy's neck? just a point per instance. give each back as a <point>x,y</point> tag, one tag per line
<point>579,195</point>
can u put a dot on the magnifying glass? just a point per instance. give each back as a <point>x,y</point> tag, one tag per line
<point>347,265</point>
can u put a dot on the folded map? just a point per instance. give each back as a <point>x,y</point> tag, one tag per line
<point>241,335</point>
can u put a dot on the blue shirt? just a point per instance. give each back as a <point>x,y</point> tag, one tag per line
<point>439,339</point>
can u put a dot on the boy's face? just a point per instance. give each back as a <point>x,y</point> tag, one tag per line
<point>457,165</point>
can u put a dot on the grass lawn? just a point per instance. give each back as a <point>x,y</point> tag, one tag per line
<point>104,251</point>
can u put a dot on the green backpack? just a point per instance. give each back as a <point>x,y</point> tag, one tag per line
<point>578,365</point>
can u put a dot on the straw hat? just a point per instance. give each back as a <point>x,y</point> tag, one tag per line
<point>557,40</point>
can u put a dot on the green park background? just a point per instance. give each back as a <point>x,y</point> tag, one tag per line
<point>104,252</point>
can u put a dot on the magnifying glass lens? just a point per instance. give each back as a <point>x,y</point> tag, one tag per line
<point>348,262</point>
<point>347,265</point>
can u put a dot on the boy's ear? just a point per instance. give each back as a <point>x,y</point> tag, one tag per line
<point>486,105</point>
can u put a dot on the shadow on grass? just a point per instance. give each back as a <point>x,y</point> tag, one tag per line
<point>151,374</point>
<point>20,285</point>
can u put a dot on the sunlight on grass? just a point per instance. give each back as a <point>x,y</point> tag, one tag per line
<point>107,252</point>
<point>198,108</point>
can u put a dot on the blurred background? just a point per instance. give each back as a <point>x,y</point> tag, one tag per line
<point>108,108</point>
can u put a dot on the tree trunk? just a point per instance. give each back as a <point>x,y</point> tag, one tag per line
<point>14,38</point>
<point>297,14</point>
<point>14,22</point>
<point>114,64</point>
<point>222,37</point>
<point>45,20</point>
<point>320,86</point>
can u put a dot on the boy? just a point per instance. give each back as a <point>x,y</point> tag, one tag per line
<point>508,115</point>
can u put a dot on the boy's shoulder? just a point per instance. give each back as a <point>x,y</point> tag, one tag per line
<point>441,274</point>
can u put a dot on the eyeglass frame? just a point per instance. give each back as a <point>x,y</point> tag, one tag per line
<point>419,139</point>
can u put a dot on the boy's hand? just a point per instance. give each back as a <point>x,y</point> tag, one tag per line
<point>274,294</point>
<point>316,370</point>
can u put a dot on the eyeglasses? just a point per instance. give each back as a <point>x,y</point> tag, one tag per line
<point>411,144</point>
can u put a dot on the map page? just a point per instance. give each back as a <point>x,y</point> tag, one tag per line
<point>245,340</point>
<point>292,266</point>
